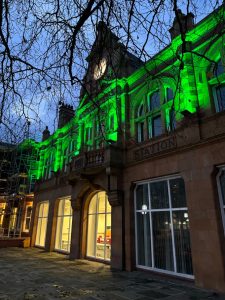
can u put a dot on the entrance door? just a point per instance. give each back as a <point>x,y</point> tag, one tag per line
<point>42,224</point>
<point>99,227</point>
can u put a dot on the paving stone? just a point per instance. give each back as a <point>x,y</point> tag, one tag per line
<point>33,274</point>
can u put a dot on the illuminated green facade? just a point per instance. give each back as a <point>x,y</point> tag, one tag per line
<point>185,81</point>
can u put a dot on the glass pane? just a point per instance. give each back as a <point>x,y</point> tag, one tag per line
<point>45,209</point>
<point>58,233</point>
<point>67,207</point>
<point>219,69</point>
<point>142,197</point>
<point>43,229</point>
<point>61,207</point>
<point>163,253</point>
<point>92,206</point>
<point>169,94</point>
<point>156,126</point>
<point>100,245</point>
<point>182,242</point>
<point>140,132</point>
<point>101,202</point>
<point>222,185</point>
<point>159,195</point>
<point>37,240</point>
<point>108,237</point>
<point>91,242</point>
<point>154,100</point>
<point>220,92</point>
<point>108,206</point>
<point>66,232</point>
<point>177,191</point>
<point>143,240</point>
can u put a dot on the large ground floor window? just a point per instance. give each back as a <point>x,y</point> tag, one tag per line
<point>99,227</point>
<point>162,227</point>
<point>64,225</point>
<point>42,221</point>
<point>221,188</point>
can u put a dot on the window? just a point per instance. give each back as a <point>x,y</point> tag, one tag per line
<point>169,94</point>
<point>154,101</point>
<point>68,153</point>
<point>220,98</point>
<point>64,226</point>
<point>218,69</point>
<point>162,227</point>
<point>2,212</point>
<point>172,120</point>
<point>140,111</point>
<point>155,126</point>
<point>27,218</point>
<point>218,86</point>
<point>140,132</point>
<point>49,165</point>
<point>99,227</point>
<point>42,221</point>
<point>221,190</point>
<point>89,138</point>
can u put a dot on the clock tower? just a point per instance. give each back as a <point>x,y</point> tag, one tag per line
<point>108,59</point>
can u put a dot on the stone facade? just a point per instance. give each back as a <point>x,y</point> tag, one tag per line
<point>163,120</point>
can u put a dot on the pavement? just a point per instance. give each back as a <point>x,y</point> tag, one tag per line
<point>34,274</point>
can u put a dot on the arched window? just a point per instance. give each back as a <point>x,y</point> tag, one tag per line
<point>64,225</point>
<point>140,111</point>
<point>99,227</point>
<point>217,83</point>
<point>42,224</point>
<point>68,154</point>
<point>49,165</point>
<point>154,101</point>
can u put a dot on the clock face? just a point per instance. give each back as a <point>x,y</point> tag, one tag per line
<point>100,68</point>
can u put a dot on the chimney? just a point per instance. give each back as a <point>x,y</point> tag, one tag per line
<point>66,113</point>
<point>181,23</point>
<point>45,134</point>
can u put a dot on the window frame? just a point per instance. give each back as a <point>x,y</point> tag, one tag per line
<point>170,209</point>
<point>221,202</point>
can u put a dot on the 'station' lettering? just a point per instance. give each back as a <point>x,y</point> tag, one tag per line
<point>155,148</point>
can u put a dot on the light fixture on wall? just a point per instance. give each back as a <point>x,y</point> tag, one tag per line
<point>144,209</point>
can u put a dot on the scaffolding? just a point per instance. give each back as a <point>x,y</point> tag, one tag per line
<point>20,177</point>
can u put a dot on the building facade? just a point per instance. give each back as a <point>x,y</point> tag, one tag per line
<point>135,177</point>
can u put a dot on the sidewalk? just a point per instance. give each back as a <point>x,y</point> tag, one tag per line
<point>34,274</point>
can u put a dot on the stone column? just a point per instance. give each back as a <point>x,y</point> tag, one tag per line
<point>75,249</point>
<point>117,246</point>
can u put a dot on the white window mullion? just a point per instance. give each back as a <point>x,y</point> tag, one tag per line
<point>171,228</point>
<point>151,229</point>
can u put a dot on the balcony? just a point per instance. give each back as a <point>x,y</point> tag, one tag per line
<point>93,162</point>
<point>88,162</point>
